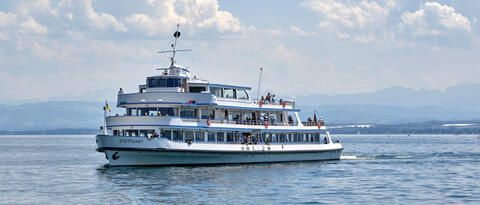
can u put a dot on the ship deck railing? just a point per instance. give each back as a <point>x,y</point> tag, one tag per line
<point>216,121</point>
<point>313,123</point>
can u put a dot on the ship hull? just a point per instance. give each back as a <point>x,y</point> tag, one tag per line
<point>154,154</point>
<point>146,157</point>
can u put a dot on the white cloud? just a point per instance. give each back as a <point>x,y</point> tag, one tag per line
<point>102,20</point>
<point>32,26</point>
<point>194,13</point>
<point>359,21</point>
<point>7,19</point>
<point>383,21</point>
<point>144,23</point>
<point>351,15</point>
<point>434,19</point>
<point>13,25</point>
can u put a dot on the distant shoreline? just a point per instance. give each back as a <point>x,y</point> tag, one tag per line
<point>374,129</point>
<point>78,131</point>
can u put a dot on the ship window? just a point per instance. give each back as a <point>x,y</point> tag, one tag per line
<point>242,94</point>
<point>234,115</point>
<point>197,89</point>
<point>274,138</point>
<point>268,138</point>
<point>297,137</point>
<point>262,137</point>
<point>229,93</point>
<point>303,137</point>
<point>132,133</point>
<point>220,137</point>
<point>164,82</point>
<point>166,134</point>
<point>283,138</point>
<point>309,137</point>
<point>208,114</point>
<point>146,133</point>
<point>177,135</point>
<point>132,112</point>
<point>248,116</point>
<point>199,136</point>
<point>230,137</point>
<point>216,91</point>
<point>188,113</point>
<point>316,137</point>
<point>273,118</point>
<point>166,111</point>
<point>189,135</point>
<point>211,136</point>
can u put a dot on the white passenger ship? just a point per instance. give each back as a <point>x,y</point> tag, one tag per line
<point>177,119</point>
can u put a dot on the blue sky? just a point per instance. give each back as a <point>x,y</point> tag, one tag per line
<point>86,50</point>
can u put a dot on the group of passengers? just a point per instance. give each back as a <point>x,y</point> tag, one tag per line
<point>269,98</point>
<point>315,122</point>
<point>248,139</point>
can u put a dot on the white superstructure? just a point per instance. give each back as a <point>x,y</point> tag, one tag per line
<point>177,119</point>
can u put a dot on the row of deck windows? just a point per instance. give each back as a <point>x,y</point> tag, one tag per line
<point>164,82</point>
<point>229,93</point>
<point>226,136</point>
<point>238,137</point>
<point>213,114</point>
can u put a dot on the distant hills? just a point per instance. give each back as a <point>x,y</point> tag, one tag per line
<point>461,96</point>
<point>388,106</point>
<point>51,115</point>
<point>396,105</point>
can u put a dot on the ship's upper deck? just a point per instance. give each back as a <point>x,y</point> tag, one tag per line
<point>182,90</point>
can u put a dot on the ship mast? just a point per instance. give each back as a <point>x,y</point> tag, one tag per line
<point>174,50</point>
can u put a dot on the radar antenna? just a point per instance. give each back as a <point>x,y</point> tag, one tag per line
<point>174,49</point>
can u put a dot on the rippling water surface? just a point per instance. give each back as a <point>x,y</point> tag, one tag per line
<point>379,169</point>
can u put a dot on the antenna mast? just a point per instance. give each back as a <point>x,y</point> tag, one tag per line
<point>174,45</point>
<point>174,49</point>
<point>259,81</point>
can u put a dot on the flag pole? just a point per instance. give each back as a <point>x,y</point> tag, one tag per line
<point>105,118</point>
<point>259,83</point>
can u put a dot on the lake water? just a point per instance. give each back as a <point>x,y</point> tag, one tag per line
<point>376,169</point>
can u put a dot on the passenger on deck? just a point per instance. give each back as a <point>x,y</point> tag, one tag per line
<point>268,98</point>
<point>273,98</point>
<point>309,121</point>
<point>325,140</point>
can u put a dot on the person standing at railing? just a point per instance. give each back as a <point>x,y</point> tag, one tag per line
<point>290,119</point>
<point>309,121</point>
<point>268,98</point>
